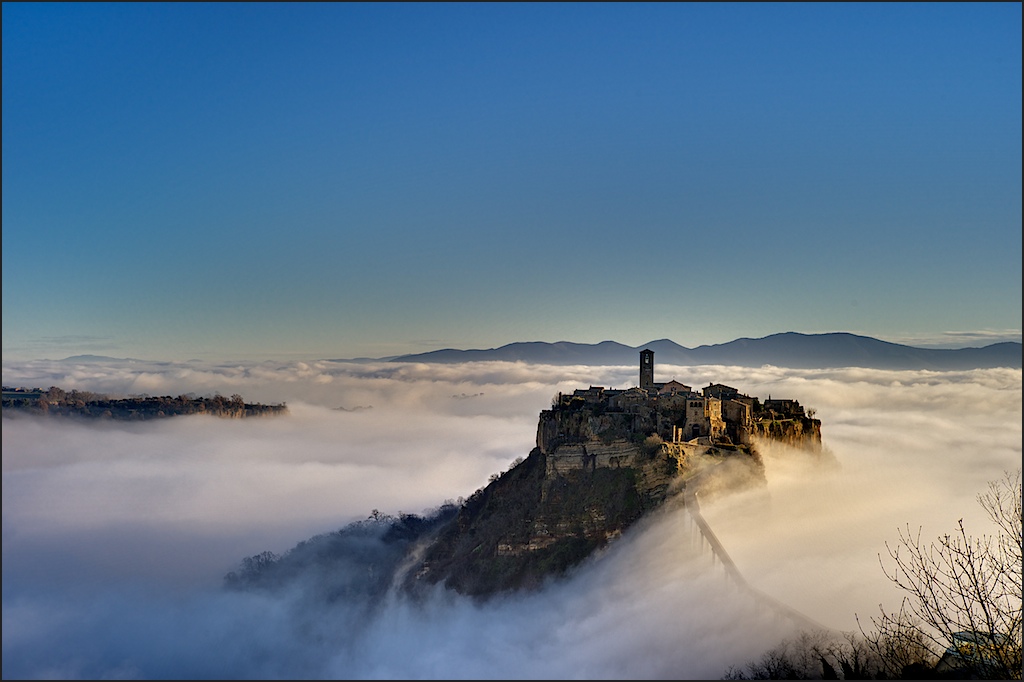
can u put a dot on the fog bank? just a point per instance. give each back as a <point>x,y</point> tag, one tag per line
<point>116,536</point>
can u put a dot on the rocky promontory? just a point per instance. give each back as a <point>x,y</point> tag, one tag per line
<point>603,460</point>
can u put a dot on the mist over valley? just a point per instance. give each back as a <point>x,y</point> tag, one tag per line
<point>117,536</point>
<point>262,263</point>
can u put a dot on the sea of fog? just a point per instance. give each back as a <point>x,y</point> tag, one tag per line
<point>117,536</point>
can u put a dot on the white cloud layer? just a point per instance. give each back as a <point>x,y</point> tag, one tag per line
<point>116,536</point>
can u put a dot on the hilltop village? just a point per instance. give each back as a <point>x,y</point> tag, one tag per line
<point>604,458</point>
<point>672,413</point>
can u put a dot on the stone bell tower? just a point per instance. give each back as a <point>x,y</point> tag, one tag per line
<point>647,369</point>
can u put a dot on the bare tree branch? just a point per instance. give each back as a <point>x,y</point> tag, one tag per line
<point>963,594</point>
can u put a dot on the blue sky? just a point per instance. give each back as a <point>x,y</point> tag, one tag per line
<point>337,180</point>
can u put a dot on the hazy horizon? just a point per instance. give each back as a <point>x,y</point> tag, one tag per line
<point>954,342</point>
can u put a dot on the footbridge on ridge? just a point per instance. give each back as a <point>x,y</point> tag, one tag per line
<point>710,541</point>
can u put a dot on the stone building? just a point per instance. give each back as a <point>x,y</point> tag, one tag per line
<point>720,391</point>
<point>673,388</point>
<point>647,369</point>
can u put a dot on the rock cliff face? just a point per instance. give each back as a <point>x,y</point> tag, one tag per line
<point>564,502</point>
<point>599,466</point>
<point>799,432</point>
<point>601,463</point>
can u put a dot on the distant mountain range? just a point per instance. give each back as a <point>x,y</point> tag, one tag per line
<point>789,349</point>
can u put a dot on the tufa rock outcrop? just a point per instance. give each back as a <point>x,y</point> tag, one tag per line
<point>603,460</point>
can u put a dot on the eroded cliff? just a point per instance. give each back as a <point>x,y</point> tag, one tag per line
<point>602,462</point>
<point>554,509</point>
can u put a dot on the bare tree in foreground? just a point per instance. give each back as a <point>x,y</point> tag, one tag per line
<point>812,655</point>
<point>962,607</point>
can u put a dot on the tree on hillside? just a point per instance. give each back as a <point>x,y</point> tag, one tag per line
<point>962,605</point>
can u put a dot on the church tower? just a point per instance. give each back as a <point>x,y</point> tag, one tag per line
<point>647,369</point>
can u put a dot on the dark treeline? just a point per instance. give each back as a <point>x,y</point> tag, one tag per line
<point>358,563</point>
<point>56,401</point>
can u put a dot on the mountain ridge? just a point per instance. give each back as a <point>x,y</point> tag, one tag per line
<point>787,349</point>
